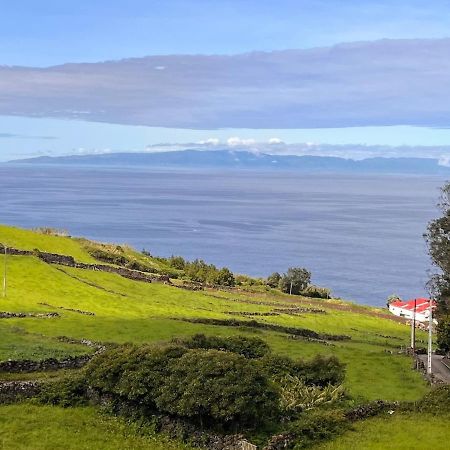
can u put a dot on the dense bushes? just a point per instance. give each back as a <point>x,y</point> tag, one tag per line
<point>316,426</point>
<point>319,371</point>
<point>207,386</point>
<point>215,383</point>
<point>250,347</point>
<point>437,401</point>
<point>219,388</point>
<point>69,391</point>
<point>314,291</point>
<point>201,272</point>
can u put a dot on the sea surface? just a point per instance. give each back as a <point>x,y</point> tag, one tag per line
<point>359,235</point>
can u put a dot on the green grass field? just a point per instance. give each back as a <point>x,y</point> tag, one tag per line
<point>399,432</point>
<point>129,311</point>
<point>26,426</point>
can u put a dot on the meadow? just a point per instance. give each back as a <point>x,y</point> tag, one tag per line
<point>122,310</point>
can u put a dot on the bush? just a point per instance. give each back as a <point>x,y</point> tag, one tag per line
<point>437,401</point>
<point>318,371</point>
<point>317,425</point>
<point>249,347</point>
<point>132,373</point>
<point>296,396</point>
<point>70,391</point>
<point>273,280</point>
<point>214,387</point>
<point>443,335</point>
<point>276,366</point>
<point>209,387</point>
<point>316,292</point>
<point>321,370</point>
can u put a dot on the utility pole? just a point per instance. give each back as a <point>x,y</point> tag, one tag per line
<point>290,289</point>
<point>413,329</point>
<point>430,338</point>
<point>5,271</point>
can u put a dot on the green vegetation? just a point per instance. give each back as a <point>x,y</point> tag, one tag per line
<point>126,311</point>
<point>438,240</point>
<point>27,427</point>
<point>405,431</point>
<point>295,280</point>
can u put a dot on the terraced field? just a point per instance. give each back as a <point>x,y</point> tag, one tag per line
<point>106,307</point>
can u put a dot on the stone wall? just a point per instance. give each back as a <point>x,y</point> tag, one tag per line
<point>21,315</point>
<point>12,391</point>
<point>69,261</point>
<point>26,365</point>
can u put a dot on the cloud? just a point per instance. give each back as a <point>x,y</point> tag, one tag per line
<point>210,141</point>
<point>388,82</point>
<point>275,141</point>
<point>349,151</point>
<point>444,160</point>
<point>238,142</point>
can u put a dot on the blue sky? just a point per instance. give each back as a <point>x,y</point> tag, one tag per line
<point>46,32</point>
<point>33,120</point>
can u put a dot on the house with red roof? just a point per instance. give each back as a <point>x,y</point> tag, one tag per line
<point>406,308</point>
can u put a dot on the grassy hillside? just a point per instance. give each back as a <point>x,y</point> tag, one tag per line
<point>400,432</point>
<point>47,427</point>
<point>129,311</point>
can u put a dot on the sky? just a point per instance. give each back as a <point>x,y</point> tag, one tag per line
<point>362,73</point>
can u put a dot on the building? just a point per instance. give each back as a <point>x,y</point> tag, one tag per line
<point>406,309</point>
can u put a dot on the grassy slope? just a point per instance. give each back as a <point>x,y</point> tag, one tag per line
<point>54,428</point>
<point>399,432</point>
<point>139,312</point>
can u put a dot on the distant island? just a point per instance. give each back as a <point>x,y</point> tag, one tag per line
<point>241,159</point>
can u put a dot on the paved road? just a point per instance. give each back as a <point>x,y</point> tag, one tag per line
<point>440,370</point>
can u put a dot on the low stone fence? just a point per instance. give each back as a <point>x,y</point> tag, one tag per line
<point>12,391</point>
<point>69,261</point>
<point>20,315</point>
<point>26,365</point>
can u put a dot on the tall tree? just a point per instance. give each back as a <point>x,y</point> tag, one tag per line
<point>295,280</point>
<point>438,240</point>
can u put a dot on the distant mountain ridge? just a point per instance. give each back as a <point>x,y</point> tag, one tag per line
<point>241,159</point>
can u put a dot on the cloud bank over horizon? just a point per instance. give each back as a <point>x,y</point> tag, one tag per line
<point>380,83</point>
<point>275,146</point>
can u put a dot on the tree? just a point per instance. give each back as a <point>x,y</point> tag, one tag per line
<point>273,280</point>
<point>297,277</point>
<point>438,240</point>
<point>391,299</point>
<point>224,277</point>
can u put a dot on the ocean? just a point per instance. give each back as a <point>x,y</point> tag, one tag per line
<point>362,236</point>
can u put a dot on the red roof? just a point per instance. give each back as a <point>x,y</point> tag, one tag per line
<point>421,304</point>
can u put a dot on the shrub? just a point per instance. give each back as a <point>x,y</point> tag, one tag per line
<point>318,371</point>
<point>317,425</point>
<point>273,280</point>
<point>443,335</point>
<point>70,391</point>
<point>321,370</point>
<point>51,231</point>
<point>316,292</point>
<point>277,366</point>
<point>437,401</point>
<point>296,396</point>
<point>249,347</point>
<point>132,373</point>
<point>215,387</point>
<point>211,387</point>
